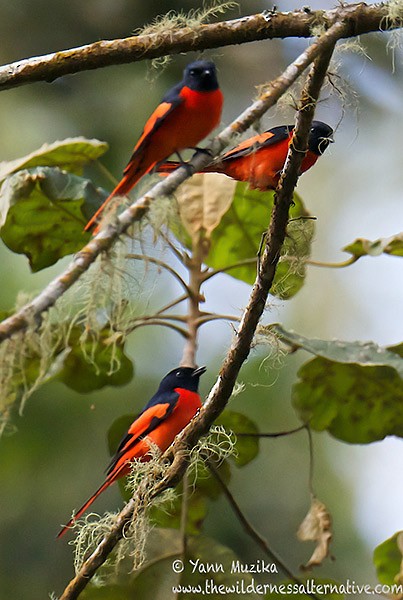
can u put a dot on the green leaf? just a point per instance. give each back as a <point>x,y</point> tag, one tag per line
<point>353,390</point>
<point>362,247</point>
<point>70,155</point>
<point>360,353</point>
<point>247,448</point>
<point>43,212</point>
<point>94,364</point>
<point>388,558</point>
<point>239,234</point>
<point>356,404</point>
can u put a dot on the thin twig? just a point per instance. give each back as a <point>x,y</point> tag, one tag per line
<point>182,256</point>
<point>172,304</point>
<point>270,435</point>
<point>161,323</point>
<point>162,317</point>
<point>311,460</point>
<point>163,265</point>
<point>340,265</point>
<point>208,317</point>
<point>242,263</point>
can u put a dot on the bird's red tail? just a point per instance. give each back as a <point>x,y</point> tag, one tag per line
<point>124,186</point>
<point>86,505</point>
<point>130,178</point>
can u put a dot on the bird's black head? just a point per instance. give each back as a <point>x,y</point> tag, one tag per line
<point>182,377</point>
<point>201,76</point>
<point>320,137</point>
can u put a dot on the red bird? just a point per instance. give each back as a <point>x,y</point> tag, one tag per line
<point>186,115</point>
<point>172,407</point>
<point>259,160</point>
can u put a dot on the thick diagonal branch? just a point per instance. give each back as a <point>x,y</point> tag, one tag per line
<point>360,18</point>
<point>240,348</point>
<point>110,234</point>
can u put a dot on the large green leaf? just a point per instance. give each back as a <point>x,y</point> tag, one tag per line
<point>246,448</point>
<point>355,403</point>
<point>70,155</point>
<point>94,364</point>
<point>388,558</point>
<point>239,234</point>
<point>354,390</point>
<point>43,212</point>
<point>360,353</point>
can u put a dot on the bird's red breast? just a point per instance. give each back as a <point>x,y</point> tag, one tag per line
<point>185,409</point>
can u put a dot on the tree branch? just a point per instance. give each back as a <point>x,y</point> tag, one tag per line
<point>240,348</point>
<point>161,322</point>
<point>105,239</point>
<point>194,264</point>
<point>360,18</point>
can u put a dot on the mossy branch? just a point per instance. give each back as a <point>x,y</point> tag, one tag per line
<point>108,236</point>
<point>359,18</point>
<point>240,348</point>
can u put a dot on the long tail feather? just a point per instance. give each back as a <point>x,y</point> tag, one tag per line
<point>123,188</point>
<point>85,506</point>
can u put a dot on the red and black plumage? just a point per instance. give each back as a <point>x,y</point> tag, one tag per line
<point>171,408</point>
<point>185,116</point>
<point>259,160</point>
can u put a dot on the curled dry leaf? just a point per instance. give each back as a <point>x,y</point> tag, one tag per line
<point>317,526</point>
<point>203,200</point>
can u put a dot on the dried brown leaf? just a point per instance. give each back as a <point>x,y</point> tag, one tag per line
<point>203,200</point>
<point>317,526</point>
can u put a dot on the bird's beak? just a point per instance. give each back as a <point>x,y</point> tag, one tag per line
<point>199,371</point>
